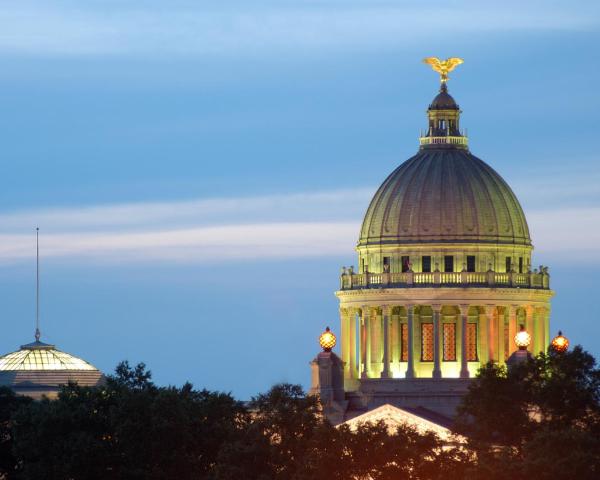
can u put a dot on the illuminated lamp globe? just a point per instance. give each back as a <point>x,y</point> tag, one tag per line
<point>522,339</point>
<point>327,340</point>
<point>560,343</point>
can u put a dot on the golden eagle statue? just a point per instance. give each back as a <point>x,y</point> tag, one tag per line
<point>443,67</point>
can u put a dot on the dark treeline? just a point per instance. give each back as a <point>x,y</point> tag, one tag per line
<point>540,420</point>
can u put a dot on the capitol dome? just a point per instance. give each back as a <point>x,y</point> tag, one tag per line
<point>40,369</point>
<point>444,195</point>
<point>444,278</point>
<point>444,209</point>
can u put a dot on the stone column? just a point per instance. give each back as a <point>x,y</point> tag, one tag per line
<point>501,317</point>
<point>365,342</point>
<point>546,325</point>
<point>512,328</point>
<point>376,351</point>
<point>529,326</point>
<point>490,311</point>
<point>538,335</point>
<point>464,317</point>
<point>352,343</point>
<point>482,336</point>
<point>394,338</point>
<point>437,371</point>
<point>345,335</point>
<point>410,370</point>
<point>385,313</point>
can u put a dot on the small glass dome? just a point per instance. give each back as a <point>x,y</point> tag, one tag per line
<point>39,370</point>
<point>41,356</point>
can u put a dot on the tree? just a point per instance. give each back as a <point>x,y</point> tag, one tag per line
<point>126,429</point>
<point>9,404</point>
<point>519,420</point>
<point>288,438</point>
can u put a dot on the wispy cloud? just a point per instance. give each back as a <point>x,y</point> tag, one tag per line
<point>222,230</point>
<point>206,244</point>
<point>328,206</point>
<point>181,27</point>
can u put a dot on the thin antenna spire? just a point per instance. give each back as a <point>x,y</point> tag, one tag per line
<point>37,285</point>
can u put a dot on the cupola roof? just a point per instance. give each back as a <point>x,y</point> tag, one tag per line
<point>443,100</point>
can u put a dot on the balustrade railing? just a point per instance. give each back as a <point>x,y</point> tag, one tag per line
<point>449,140</point>
<point>350,280</point>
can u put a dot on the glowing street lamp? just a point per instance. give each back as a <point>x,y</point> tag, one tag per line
<point>522,339</point>
<point>327,340</point>
<point>560,343</point>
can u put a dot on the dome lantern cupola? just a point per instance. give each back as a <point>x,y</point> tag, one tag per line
<point>443,114</point>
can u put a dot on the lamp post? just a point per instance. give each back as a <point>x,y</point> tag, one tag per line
<point>522,340</point>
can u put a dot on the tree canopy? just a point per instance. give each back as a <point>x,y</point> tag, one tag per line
<point>538,420</point>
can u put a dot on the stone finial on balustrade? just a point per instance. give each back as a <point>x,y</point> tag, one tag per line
<point>343,270</point>
<point>531,278</point>
<point>491,276</point>
<point>351,270</point>
<point>463,274</point>
<point>385,277</point>
<point>437,277</point>
<point>545,278</point>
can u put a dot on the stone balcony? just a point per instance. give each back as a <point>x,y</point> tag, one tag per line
<point>356,281</point>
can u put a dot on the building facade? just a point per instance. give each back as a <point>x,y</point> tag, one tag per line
<point>444,279</point>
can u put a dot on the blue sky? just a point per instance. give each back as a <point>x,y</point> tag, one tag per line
<point>199,170</point>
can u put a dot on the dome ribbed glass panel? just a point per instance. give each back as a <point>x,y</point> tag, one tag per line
<point>42,359</point>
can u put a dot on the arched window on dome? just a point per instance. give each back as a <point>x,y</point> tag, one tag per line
<point>470,263</point>
<point>426,263</point>
<point>386,264</point>
<point>448,263</point>
<point>405,259</point>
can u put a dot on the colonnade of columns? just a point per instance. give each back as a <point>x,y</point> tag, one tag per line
<point>372,345</point>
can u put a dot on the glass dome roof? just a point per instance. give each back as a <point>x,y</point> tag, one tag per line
<point>41,356</point>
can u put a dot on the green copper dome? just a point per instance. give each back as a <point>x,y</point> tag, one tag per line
<point>444,195</point>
